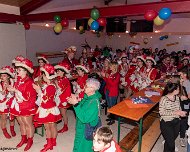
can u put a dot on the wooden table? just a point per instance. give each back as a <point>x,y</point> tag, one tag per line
<point>135,112</point>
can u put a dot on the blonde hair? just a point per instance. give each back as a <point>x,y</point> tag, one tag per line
<point>104,134</point>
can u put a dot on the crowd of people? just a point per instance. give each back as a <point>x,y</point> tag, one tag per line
<point>41,95</point>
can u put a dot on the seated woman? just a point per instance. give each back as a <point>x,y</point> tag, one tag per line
<point>87,111</point>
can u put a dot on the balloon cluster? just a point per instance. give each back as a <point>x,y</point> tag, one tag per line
<point>96,21</point>
<point>60,24</point>
<point>163,37</point>
<point>158,18</point>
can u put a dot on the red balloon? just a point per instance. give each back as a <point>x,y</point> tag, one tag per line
<point>65,23</point>
<point>102,21</point>
<point>26,26</point>
<point>150,15</point>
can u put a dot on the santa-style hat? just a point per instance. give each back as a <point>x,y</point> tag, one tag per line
<point>49,71</point>
<point>142,57</point>
<point>25,63</point>
<point>43,57</point>
<point>71,49</point>
<point>123,55</point>
<point>185,58</point>
<point>8,70</point>
<point>17,59</point>
<point>151,59</point>
<point>83,68</point>
<point>63,66</point>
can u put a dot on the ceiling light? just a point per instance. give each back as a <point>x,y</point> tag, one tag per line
<point>180,37</point>
<point>74,28</point>
<point>47,25</point>
<point>126,31</point>
<point>151,37</point>
<point>156,31</point>
<point>116,20</point>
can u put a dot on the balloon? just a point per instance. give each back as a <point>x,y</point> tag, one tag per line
<point>57,18</point>
<point>65,23</point>
<point>81,28</point>
<point>165,13</point>
<point>158,21</point>
<point>166,36</point>
<point>58,28</point>
<point>90,21</point>
<point>102,21</point>
<point>150,15</point>
<point>161,38</point>
<point>94,14</point>
<point>26,26</point>
<point>94,25</point>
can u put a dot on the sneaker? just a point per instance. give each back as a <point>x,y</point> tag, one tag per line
<point>182,142</point>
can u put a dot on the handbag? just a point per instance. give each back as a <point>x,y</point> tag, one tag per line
<point>89,130</point>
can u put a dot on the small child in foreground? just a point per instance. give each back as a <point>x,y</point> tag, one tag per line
<point>103,140</point>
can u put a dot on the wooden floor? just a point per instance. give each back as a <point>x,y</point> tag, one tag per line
<point>131,139</point>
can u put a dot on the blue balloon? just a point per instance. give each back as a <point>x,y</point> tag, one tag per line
<point>94,25</point>
<point>161,37</point>
<point>165,13</point>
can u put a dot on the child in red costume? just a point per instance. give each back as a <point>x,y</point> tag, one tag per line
<point>103,141</point>
<point>6,75</point>
<point>81,81</point>
<point>63,91</point>
<point>48,113</point>
<point>23,105</point>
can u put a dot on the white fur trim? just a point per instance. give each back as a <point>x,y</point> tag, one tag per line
<point>47,74</point>
<point>185,58</point>
<point>41,57</point>
<point>7,72</point>
<point>24,66</point>
<point>150,58</point>
<point>43,113</point>
<point>63,68</point>
<point>140,57</point>
<point>82,67</point>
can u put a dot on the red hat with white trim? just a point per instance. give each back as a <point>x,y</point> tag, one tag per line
<point>18,59</point>
<point>151,59</point>
<point>185,58</point>
<point>123,55</point>
<point>43,57</point>
<point>63,66</point>
<point>25,63</point>
<point>8,70</point>
<point>71,49</point>
<point>142,57</point>
<point>49,71</point>
<point>86,70</point>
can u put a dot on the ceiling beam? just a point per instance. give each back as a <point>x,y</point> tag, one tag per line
<point>182,6</point>
<point>32,5</point>
<point>10,18</point>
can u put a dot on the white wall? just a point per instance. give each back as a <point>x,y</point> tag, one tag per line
<point>44,40</point>
<point>12,42</point>
<point>9,9</point>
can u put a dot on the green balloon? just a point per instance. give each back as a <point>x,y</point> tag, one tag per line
<point>95,14</point>
<point>57,18</point>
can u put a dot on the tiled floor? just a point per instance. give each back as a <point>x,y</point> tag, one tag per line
<point>65,140</point>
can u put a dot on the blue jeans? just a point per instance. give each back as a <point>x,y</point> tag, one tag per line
<point>111,101</point>
<point>188,147</point>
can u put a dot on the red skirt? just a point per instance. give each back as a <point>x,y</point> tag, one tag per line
<point>23,112</point>
<point>64,105</point>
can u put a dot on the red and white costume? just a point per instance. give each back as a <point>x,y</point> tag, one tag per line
<point>63,88</point>
<point>81,82</point>
<point>48,112</point>
<point>114,147</point>
<point>5,95</point>
<point>23,102</point>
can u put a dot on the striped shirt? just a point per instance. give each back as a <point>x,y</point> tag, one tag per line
<point>167,108</point>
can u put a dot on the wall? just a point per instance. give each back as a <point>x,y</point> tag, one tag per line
<point>9,9</point>
<point>45,40</point>
<point>12,42</point>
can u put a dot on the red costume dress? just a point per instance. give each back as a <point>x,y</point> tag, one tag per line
<point>63,91</point>
<point>72,62</point>
<point>37,73</point>
<point>79,88</point>
<point>112,84</point>
<point>132,77</point>
<point>4,99</point>
<point>23,102</point>
<point>47,112</point>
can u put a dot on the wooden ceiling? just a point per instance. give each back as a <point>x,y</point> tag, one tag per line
<point>18,3</point>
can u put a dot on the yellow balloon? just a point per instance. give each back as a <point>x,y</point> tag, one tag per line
<point>81,28</point>
<point>58,28</point>
<point>158,21</point>
<point>90,21</point>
